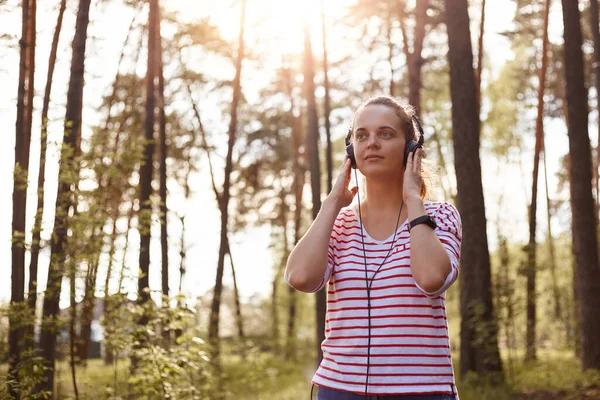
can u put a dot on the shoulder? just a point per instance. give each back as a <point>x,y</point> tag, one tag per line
<point>345,220</point>
<point>441,208</point>
<point>446,215</point>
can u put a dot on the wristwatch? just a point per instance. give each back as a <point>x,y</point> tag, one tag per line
<point>424,219</point>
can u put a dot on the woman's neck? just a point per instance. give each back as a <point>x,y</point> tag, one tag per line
<point>383,197</point>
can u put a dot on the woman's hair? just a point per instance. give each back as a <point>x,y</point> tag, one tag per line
<point>405,113</point>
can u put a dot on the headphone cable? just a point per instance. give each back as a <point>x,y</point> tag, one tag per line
<point>368,282</point>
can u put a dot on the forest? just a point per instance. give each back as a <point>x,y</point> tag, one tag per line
<point>168,156</point>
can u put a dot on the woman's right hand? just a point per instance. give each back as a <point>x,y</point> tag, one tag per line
<point>340,194</point>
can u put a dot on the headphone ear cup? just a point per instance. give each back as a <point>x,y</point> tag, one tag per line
<point>350,153</point>
<point>410,147</point>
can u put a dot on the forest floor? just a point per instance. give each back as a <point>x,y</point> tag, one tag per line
<point>555,376</point>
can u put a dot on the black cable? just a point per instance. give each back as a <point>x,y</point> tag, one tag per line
<point>370,283</point>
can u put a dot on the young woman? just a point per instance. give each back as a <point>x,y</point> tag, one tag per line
<point>387,262</point>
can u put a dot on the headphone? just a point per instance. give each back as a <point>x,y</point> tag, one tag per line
<point>411,146</point>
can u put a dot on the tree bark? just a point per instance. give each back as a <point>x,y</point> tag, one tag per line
<point>479,341</point>
<point>19,202</point>
<point>582,202</point>
<point>213,329</point>
<point>68,163</point>
<point>530,347</point>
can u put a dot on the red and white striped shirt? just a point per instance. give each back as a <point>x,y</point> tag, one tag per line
<point>410,346</point>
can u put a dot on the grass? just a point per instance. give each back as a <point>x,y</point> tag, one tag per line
<point>260,375</point>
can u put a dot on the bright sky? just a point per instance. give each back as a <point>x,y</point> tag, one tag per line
<point>252,257</point>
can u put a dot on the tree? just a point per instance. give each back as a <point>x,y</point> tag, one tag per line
<point>480,53</point>
<point>312,146</point>
<point>22,145</point>
<point>37,227</point>
<point>479,342</point>
<point>213,329</point>
<point>326,101</point>
<point>162,140</point>
<point>582,202</point>
<point>414,58</point>
<point>145,211</point>
<point>594,26</point>
<point>68,176</point>
<point>530,353</point>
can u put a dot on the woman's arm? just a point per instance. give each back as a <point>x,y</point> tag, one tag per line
<point>429,260</point>
<point>307,262</point>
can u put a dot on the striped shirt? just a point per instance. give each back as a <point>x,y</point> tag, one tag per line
<point>410,346</point>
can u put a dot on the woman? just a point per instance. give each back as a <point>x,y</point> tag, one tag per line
<point>386,333</point>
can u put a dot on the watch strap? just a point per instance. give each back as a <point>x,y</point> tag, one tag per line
<point>424,219</point>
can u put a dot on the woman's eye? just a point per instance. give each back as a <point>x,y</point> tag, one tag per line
<point>387,134</point>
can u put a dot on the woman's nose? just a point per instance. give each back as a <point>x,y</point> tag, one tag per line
<point>372,141</point>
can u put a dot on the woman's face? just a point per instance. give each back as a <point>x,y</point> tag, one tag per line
<point>378,142</point>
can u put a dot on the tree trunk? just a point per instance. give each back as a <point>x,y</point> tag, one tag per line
<point>327,102</point>
<point>582,202</point>
<point>87,310</point>
<point>480,54</point>
<point>297,187</point>
<point>278,271</point>
<point>32,33</point>
<point>414,59</point>
<point>162,123</point>
<point>19,199</point>
<point>312,146</point>
<point>164,211</point>
<point>479,341</point>
<point>145,211</point>
<point>390,44</point>
<point>130,215</point>
<point>37,227</point>
<point>72,323</point>
<point>555,290</point>
<point>68,163</point>
<point>213,329</point>
<point>594,25</point>
<point>530,346</point>
<point>236,296</point>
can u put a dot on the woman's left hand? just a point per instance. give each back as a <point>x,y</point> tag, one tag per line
<point>412,176</point>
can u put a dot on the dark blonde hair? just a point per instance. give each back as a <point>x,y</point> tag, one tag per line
<point>405,112</point>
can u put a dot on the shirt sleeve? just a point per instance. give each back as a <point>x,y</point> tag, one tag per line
<point>449,232</point>
<point>331,259</point>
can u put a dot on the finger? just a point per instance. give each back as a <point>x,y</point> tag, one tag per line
<point>416,161</point>
<point>409,162</point>
<point>419,161</point>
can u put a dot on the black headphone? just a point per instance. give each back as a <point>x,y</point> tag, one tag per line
<point>411,146</point>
